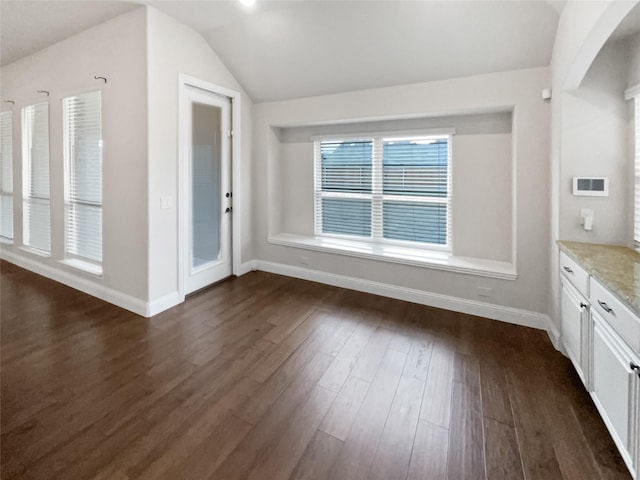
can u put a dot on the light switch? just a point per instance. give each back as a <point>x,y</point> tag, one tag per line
<point>166,202</point>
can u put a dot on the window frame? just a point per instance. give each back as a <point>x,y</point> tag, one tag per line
<point>6,193</point>
<point>74,260</point>
<point>636,175</point>
<point>633,94</point>
<point>377,195</point>
<point>27,198</point>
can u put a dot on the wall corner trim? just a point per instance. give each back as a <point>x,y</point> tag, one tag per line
<point>161,304</point>
<point>73,280</point>
<point>501,313</point>
<point>555,336</point>
<point>245,268</point>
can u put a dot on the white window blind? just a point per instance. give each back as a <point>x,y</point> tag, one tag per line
<point>344,187</point>
<point>83,176</point>
<point>386,190</point>
<point>35,175</point>
<point>6,175</point>
<point>636,212</point>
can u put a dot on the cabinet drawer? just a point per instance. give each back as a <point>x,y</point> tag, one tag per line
<point>621,319</point>
<point>575,273</point>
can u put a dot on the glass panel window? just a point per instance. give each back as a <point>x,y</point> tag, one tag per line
<point>83,176</point>
<point>346,166</point>
<point>6,175</point>
<point>385,190</point>
<point>346,216</point>
<point>35,176</point>
<point>636,213</point>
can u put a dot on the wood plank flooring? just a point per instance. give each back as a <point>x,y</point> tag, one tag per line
<point>265,377</point>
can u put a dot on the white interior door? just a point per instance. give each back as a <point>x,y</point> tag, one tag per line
<point>208,189</point>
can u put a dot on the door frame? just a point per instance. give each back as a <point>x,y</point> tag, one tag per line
<point>185,81</point>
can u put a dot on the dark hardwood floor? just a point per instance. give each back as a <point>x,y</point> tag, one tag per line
<point>266,377</point>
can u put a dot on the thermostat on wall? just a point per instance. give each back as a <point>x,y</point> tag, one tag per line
<point>591,186</point>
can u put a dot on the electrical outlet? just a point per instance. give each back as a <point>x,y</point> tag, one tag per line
<point>586,218</point>
<point>585,212</point>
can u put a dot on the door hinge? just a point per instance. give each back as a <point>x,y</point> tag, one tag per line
<point>230,133</point>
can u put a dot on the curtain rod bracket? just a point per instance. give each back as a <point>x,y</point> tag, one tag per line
<point>10,101</point>
<point>101,78</point>
<point>43,91</point>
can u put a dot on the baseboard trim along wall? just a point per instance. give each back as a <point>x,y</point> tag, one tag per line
<point>245,268</point>
<point>78,282</point>
<point>501,313</point>
<point>161,304</point>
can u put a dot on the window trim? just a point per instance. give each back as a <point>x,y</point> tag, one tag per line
<point>377,196</point>
<point>404,256</point>
<point>633,93</point>
<point>70,259</point>
<point>26,166</point>
<point>5,239</point>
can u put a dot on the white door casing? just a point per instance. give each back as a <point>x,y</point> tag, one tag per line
<point>196,275</point>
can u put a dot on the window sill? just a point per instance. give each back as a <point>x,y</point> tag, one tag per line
<point>86,267</point>
<point>401,255</point>
<point>6,241</point>
<point>35,251</point>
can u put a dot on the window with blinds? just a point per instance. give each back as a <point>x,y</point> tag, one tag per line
<point>386,190</point>
<point>6,175</point>
<point>82,123</point>
<point>35,176</point>
<point>636,192</point>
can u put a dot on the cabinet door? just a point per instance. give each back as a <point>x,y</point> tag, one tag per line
<point>572,331</point>
<point>635,420</point>
<point>613,384</point>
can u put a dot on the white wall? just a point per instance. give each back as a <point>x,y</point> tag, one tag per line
<point>594,141</point>
<point>481,178</point>
<point>482,196</point>
<point>583,29</point>
<point>173,48</point>
<point>117,50</point>
<point>518,90</point>
<point>633,77</point>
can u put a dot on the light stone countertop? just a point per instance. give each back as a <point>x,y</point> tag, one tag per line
<point>615,267</point>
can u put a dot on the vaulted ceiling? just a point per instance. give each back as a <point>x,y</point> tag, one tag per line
<point>289,49</point>
<point>29,26</point>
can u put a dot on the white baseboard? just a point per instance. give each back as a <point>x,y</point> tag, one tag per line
<point>172,299</point>
<point>161,304</point>
<point>148,309</point>
<point>245,268</point>
<point>555,337</point>
<point>78,282</point>
<point>495,312</point>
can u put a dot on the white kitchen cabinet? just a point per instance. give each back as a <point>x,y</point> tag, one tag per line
<point>601,336</point>
<point>573,272</point>
<point>635,422</point>
<point>615,389</point>
<point>575,329</point>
